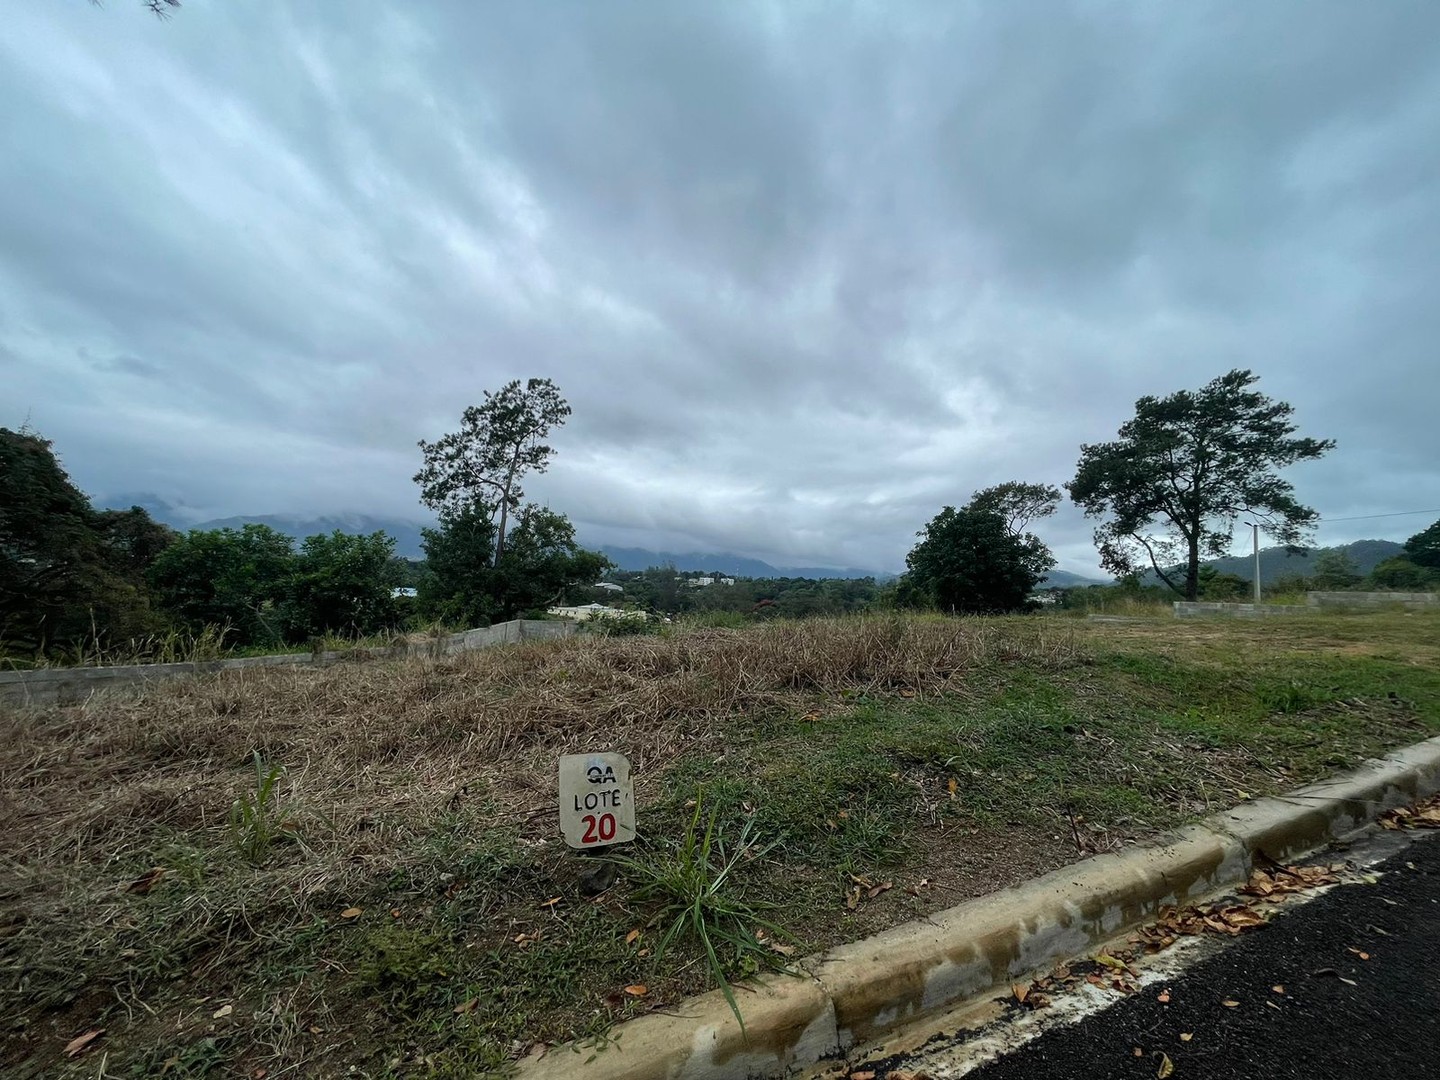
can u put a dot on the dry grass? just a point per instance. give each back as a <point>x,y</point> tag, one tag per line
<point>378,760</point>
<point>426,786</point>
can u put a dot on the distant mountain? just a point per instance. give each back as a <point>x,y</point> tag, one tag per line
<point>628,558</point>
<point>1276,563</point>
<point>1064,579</point>
<point>405,533</point>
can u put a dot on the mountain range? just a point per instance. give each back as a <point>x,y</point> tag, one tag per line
<point>1277,563</point>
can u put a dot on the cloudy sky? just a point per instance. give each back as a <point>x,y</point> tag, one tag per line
<point>806,272</point>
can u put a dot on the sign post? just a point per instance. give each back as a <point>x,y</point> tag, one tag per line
<point>597,800</point>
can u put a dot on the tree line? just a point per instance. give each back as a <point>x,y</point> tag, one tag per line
<point>1167,492</point>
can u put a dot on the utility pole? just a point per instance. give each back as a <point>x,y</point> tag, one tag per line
<point>1255,536</point>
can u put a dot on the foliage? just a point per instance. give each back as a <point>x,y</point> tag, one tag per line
<point>697,899</point>
<point>1185,470</point>
<point>1335,569</point>
<point>479,467</point>
<point>1403,575</point>
<point>541,562</point>
<point>69,576</point>
<point>340,584</point>
<point>969,561</point>
<point>255,822</point>
<point>1423,549</point>
<point>1018,503</point>
<point>1215,585</point>
<point>227,577</point>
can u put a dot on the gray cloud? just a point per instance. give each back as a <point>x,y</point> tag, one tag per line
<point>805,273</point>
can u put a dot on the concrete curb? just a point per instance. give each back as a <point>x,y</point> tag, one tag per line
<point>857,992</point>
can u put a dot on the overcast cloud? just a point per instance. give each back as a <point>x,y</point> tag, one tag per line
<point>806,272</point>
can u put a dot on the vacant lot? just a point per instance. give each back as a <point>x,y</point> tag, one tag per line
<point>396,900</point>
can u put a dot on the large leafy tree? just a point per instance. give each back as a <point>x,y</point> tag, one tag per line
<point>541,563</point>
<point>1423,549</point>
<point>478,469</point>
<point>340,584</point>
<point>969,561</point>
<point>1185,470</point>
<point>1017,502</point>
<point>230,578</point>
<point>68,575</point>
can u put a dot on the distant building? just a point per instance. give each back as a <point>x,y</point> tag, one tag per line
<point>609,586</point>
<point>396,594</point>
<point>588,611</point>
<point>701,582</point>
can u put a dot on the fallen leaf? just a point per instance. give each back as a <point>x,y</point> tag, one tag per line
<point>867,1075</point>
<point>1094,980</point>
<point>852,898</point>
<point>222,1012</point>
<point>1109,961</point>
<point>876,890</point>
<point>1230,1004</point>
<point>643,953</point>
<point>843,815</point>
<point>811,717</point>
<point>1186,1036</point>
<point>315,1029</point>
<point>260,1073</point>
<point>631,937</point>
<point>1137,1052</point>
<point>783,950</point>
<point>1166,1067</point>
<point>638,990</point>
<point>466,1006</point>
<point>952,786</point>
<point>395,913</point>
<point>351,913</point>
<point>1020,992</point>
<point>551,902</point>
<point>907,692</point>
<point>146,881</point>
<point>1357,952</point>
<point>78,1045</point>
<point>1164,996</point>
<point>1278,989</point>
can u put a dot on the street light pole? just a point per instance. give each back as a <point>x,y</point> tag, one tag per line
<point>1255,538</point>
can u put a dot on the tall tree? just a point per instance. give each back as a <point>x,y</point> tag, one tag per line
<point>1185,470</point>
<point>968,561</point>
<point>499,442</point>
<point>68,575</point>
<point>1335,569</point>
<point>232,578</point>
<point>1423,549</point>
<point>341,584</point>
<point>1017,502</point>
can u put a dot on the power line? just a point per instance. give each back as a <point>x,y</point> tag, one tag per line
<point>1369,517</point>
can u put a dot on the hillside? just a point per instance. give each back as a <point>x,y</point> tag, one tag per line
<point>1277,563</point>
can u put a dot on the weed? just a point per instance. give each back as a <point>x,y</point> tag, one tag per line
<point>405,966</point>
<point>693,887</point>
<point>187,1061</point>
<point>255,823</point>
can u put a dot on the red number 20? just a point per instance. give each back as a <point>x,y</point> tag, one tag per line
<point>602,829</point>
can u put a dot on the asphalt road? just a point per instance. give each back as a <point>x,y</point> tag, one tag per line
<point>1383,1022</point>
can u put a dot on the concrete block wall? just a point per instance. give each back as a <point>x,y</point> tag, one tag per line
<point>50,686</point>
<point>1413,601</point>
<point>1190,608</point>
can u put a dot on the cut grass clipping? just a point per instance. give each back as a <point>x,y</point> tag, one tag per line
<point>694,887</point>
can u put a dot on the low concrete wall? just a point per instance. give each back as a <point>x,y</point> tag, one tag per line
<point>1412,601</point>
<point>1189,608</point>
<point>50,686</point>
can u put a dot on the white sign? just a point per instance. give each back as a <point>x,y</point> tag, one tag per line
<point>597,800</point>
